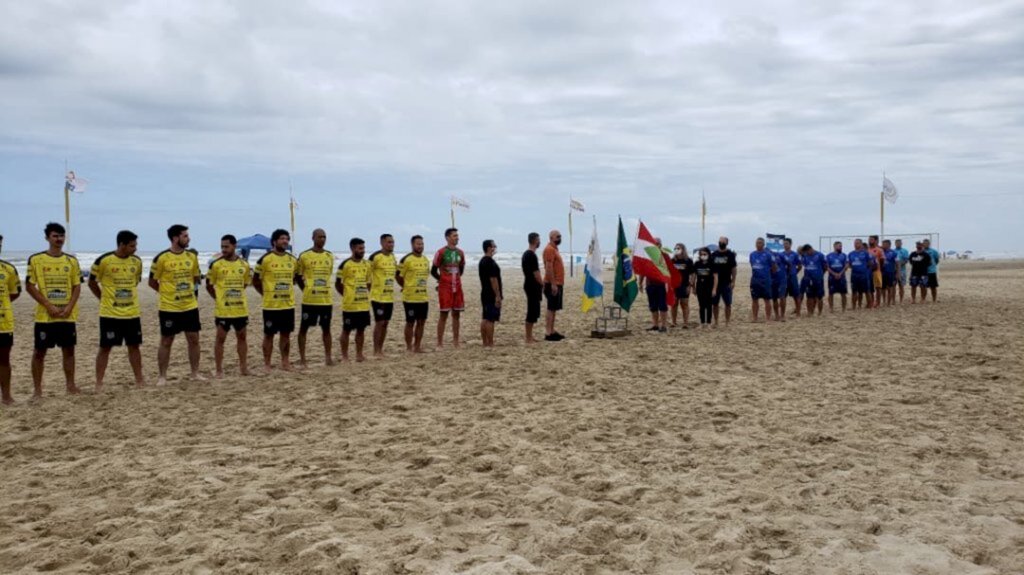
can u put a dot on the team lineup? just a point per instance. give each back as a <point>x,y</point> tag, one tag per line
<point>875,273</point>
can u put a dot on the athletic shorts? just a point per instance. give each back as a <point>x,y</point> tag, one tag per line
<point>316,315</point>
<point>760,289</point>
<point>933,280</point>
<point>416,311</point>
<point>115,331</point>
<point>6,340</point>
<point>174,322</point>
<point>229,323</point>
<point>533,301</point>
<point>554,300</point>
<point>449,300</point>
<point>812,287</point>
<point>903,276</point>
<point>278,321</point>
<point>876,280</point>
<point>888,279</point>
<point>683,292</point>
<point>355,320</point>
<point>779,288</point>
<point>837,285</point>
<point>793,286</point>
<point>491,312</point>
<point>657,299</point>
<point>724,295</point>
<point>860,284</point>
<point>919,281</point>
<point>382,311</point>
<point>58,334</point>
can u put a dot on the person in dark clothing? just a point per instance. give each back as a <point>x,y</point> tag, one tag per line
<point>704,282</point>
<point>533,285</point>
<point>682,262</point>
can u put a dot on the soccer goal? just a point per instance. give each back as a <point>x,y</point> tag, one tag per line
<point>825,242</point>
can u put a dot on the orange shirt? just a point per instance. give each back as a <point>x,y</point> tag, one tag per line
<point>554,268</point>
<point>879,255</point>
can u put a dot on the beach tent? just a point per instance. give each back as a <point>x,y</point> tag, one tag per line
<point>254,242</point>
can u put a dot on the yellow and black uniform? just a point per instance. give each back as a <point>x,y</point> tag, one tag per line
<point>415,273</point>
<point>382,284</point>
<point>10,285</point>
<point>315,269</point>
<point>229,280</point>
<point>55,278</point>
<point>177,274</point>
<point>355,300</point>
<point>276,275</point>
<point>118,279</point>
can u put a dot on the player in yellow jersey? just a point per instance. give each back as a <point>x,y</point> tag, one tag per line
<point>412,274</point>
<point>114,279</point>
<point>273,278</point>
<point>353,283</point>
<point>383,268</point>
<point>316,265</point>
<point>226,281</point>
<point>174,275</point>
<point>54,280</point>
<point>10,289</point>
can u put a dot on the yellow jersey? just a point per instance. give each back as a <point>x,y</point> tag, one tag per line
<point>355,281</point>
<point>382,277</point>
<point>276,274</point>
<point>118,279</point>
<point>10,284</point>
<point>316,269</point>
<point>415,272</point>
<point>229,280</point>
<point>55,277</point>
<point>177,275</point>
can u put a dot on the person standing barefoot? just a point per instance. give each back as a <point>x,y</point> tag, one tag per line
<point>226,281</point>
<point>413,272</point>
<point>114,279</point>
<point>353,283</point>
<point>10,290</point>
<point>447,268</point>
<point>174,275</point>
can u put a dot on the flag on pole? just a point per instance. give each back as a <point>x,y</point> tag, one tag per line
<point>292,206</point>
<point>576,205</point>
<point>593,288</point>
<point>648,258</point>
<point>625,281</point>
<point>460,203</point>
<point>73,183</point>
<point>889,191</point>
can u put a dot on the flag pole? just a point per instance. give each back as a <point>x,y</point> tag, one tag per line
<point>291,207</point>
<point>453,210</point>
<point>881,204</point>
<point>67,206</point>
<point>703,216</point>
<point>572,260</point>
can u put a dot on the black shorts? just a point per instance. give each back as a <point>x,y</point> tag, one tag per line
<point>554,300</point>
<point>174,322</point>
<point>355,320</point>
<point>278,321</point>
<point>533,298</point>
<point>115,331</point>
<point>316,315</point>
<point>229,323</point>
<point>491,312</point>
<point>6,340</point>
<point>382,311</point>
<point>416,311</point>
<point>933,280</point>
<point>58,334</point>
<point>683,292</point>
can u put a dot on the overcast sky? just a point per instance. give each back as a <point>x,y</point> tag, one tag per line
<point>785,113</point>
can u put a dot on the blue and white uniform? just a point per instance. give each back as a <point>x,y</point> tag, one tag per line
<point>813,285</point>
<point>837,263</point>
<point>761,274</point>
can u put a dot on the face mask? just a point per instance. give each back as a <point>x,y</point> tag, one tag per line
<point>679,252</point>
<point>703,258</point>
<point>722,245</point>
<point>558,242</point>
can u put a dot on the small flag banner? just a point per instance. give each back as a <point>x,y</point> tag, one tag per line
<point>889,191</point>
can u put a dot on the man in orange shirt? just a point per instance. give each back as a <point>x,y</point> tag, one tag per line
<point>554,280</point>
<point>878,254</point>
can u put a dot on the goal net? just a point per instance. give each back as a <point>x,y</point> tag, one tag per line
<point>909,239</point>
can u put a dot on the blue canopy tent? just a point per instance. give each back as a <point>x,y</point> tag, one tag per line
<point>254,242</point>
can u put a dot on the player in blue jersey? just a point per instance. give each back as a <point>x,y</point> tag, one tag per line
<point>860,274</point>
<point>813,285</point>
<point>933,269</point>
<point>793,267</point>
<point>837,266</point>
<point>761,270</point>
<point>889,272</point>
<point>779,286</point>
<point>902,257</point>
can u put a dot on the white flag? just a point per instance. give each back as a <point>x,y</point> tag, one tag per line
<point>460,203</point>
<point>593,286</point>
<point>889,191</point>
<point>576,205</point>
<point>75,184</point>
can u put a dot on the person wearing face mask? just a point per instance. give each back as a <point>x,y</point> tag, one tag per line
<point>723,263</point>
<point>554,281</point>
<point>682,262</point>
<point>705,284</point>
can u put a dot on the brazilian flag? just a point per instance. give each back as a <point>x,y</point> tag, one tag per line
<point>625,281</point>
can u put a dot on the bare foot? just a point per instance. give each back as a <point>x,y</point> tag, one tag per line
<point>344,358</point>
<point>245,372</point>
<point>161,381</point>
<point>329,362</point>
<point>199,377</point>
<point>267,369</point>
<point>73,389</point>
<point>286,367</point>
<point>98,389</point>
<point>219,374</point>
<point>360,358</point>
<point>141,383</point>
<point>7,401</point>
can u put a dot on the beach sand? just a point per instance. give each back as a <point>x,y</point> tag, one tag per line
<point>881,442</point>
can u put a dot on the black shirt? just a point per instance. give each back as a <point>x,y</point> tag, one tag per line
<point>919,263</point>
<point>722,263</point>
<point>685,267</point>
<point>530,265</point>
<point>704,272</point>
<point>488,269</point>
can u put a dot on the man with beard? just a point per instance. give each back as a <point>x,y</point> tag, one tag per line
<point>174,274</point>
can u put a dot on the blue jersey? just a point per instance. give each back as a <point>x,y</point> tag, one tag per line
<point>836,261</point>
<point>934,267</point>
<point>792,260</point>
<point>891,258</point>
<point>814,265</point>
<point>761,265</point>
<point>781,268</point>
<point>860,263</point>
<point>902,256</point>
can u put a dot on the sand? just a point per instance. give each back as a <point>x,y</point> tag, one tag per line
<point>878,442</point>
